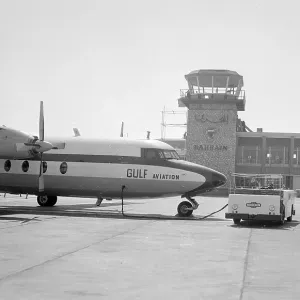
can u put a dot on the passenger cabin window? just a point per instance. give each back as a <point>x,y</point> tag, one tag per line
<point>63,167</point>
<point>25,166</point>
<point>44,167</point>
<point>7,165</point>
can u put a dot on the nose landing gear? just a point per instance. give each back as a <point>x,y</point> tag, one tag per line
<point>186,208</point>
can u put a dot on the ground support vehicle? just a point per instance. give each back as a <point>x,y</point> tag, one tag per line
<point>276,206</point>
<point>263,203</point>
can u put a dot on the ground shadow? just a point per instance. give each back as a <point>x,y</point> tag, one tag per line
<point>85,211</point>
<point>266,225</point>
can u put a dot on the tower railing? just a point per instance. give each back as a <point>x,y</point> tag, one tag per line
<point>237,94</point>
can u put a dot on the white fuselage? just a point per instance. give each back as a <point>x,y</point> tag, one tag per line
<point>99,168</point>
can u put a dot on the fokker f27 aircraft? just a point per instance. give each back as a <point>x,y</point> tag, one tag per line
<point>101,168</point>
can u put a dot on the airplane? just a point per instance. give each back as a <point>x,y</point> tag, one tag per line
<point>100,168</point>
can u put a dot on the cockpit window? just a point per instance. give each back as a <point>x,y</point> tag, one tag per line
<point>150,153</point>
<point>160,154</point>
<point>171,154</point>
<point>168,154</point>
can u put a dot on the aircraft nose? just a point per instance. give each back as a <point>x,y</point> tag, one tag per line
<point>218,179</point>
<point>213,179</point>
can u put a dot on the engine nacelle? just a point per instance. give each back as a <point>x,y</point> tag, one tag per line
<point>9,137</point>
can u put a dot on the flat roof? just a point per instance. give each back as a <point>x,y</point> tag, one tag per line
<point>268,134</point>
<point>220,78</point>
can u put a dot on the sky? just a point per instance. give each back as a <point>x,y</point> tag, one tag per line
<point>96,64</point>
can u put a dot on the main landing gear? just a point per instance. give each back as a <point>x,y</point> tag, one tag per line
<point>185,208</point>
<point>44,200</point>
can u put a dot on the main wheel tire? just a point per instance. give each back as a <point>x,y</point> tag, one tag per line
<point>52,200</point>
<point>236,221</point>
<point>46,200</point>
<point>290,219</point>
<point>184,209</point>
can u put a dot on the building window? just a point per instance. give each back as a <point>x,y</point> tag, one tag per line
<point>277,155</point>
<point>296,158</point>
<point>249,155</point>
<point>7,165</point>
<point>63,168</point>
<point>44,167</point>
<point>25,166</point>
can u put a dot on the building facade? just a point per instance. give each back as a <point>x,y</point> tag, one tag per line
<point>269,153</point>
<point>218,139</point>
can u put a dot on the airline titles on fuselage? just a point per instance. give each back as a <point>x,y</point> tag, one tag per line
<point>142,173</point>
<point>137,173</point>
<point>165,176</point>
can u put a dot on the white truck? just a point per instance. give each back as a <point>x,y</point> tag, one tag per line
<point>261,203</point>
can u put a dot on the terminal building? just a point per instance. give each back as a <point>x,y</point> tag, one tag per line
<point>217,138</point>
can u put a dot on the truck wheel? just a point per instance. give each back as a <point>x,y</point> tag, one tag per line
<point>237,221</point>
<point>289,219</point>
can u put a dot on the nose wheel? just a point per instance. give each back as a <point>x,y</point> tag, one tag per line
<point>186,208</point>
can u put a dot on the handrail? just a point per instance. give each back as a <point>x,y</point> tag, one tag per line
<point>213,91</point>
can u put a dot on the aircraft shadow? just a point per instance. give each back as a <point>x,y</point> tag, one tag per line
<point>266,225</point>
<point>89,206</point>
<point>85,211</point>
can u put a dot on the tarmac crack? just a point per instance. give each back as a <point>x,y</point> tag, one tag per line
<point>74,251</point>
<point>246,265</point>
<point>23,221</point>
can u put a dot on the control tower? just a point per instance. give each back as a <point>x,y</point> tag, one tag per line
<point>213,99</point>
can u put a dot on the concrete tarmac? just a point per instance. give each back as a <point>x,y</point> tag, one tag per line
<point>77,250</point>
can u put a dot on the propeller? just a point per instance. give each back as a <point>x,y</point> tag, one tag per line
<point>38,145</point>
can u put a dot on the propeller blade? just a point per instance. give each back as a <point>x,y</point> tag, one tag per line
<point>76,132</point>
<point>59,145</point>
<point>41,176</point>
<point>41,123</point>
<point>25,147</point>
<point>122,130</point>
<point>32,145</point>
<point>41,183</point>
